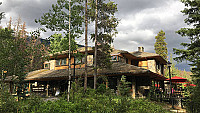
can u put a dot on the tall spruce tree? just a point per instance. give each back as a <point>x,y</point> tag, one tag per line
<point>192,51</point>
<point>161,45</point>
<point>103,13</point>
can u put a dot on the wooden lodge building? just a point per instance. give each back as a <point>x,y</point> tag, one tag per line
<point>141,68</point>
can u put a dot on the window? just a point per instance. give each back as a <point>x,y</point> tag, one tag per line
<point>46,66</point>
<point>63,61</point>
<point>77,61</point>
<point>58,62</point>
<point>114,58</point>
<point>162,69</point>
<point>127,60</point>
<point>119,58</point>
<point>132,62</point>
<point>83,60</point>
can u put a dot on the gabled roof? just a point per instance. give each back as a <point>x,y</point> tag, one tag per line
<point>139,55</point>
<point>117,68</point>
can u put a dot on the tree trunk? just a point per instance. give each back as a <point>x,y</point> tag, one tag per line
<point>86,46</point>
<point>69,67</point>
<point>95,53</point>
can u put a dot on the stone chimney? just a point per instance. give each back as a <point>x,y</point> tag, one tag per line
<point>141,49</point>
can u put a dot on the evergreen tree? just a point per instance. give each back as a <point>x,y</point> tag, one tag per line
<point>192,51</point>
<point>14,56</point>
<point>103,13</point>
<point>123,87</point>
<point>161,45</point>
<point>38,49</point>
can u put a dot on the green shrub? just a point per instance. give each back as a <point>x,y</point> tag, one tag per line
<point>8,103</point>
<point>193,104</point>
<point>91,101</point>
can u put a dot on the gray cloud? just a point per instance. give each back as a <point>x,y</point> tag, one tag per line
<point>141,20</point>
<point>28,10</point>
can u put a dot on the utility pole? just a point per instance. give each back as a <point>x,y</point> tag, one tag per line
<point>86,46</point>
<point>95,53</point>
<point>69,67</point>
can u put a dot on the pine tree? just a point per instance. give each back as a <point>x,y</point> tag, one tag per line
<point>103,13</point>
<point>123,87</point>
<point>192,51</point>
<point>161,45</point>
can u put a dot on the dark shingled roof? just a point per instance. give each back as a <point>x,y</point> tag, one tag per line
<point>117,68</point>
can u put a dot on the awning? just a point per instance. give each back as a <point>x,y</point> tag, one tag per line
<point>177,79</point>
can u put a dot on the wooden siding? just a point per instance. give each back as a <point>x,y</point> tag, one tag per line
<point>143,64</point>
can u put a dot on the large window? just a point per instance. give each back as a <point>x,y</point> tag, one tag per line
<point>58,62</point>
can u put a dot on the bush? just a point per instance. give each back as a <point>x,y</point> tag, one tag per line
<point>193,104</point>
<point>94,101</point>
<point>8,103</point>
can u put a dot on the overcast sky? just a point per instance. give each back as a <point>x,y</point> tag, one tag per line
<point>140,21</point>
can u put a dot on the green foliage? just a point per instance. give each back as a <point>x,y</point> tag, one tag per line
<point>193,104</point>
<point>13,55</point>
<point>30,105</point>
<point>106,25</point>
<point>192,51</point>
<point>8,103</point>
<point>18,56</point>
<point>124,88</point>
<point>57,19</point>
<point>83,102</point>
<point>58,43</point>
<point>161,45</point>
